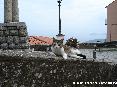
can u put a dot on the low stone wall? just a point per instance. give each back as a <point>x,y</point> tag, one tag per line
<point>19,72</point>
<point>107,55</point>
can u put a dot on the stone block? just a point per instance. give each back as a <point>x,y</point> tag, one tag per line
<point>24,45</point>
<point>16,39</point>
<point>9,39</point>
<point>22,32</point>
<point>13,32</point>
<point>6,32</point>
<point>23,39</point>
<point>1,33</point>
<point>4,46</point>
<point>2,39</point>
<point>12,45</point>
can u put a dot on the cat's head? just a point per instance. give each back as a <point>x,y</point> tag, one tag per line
<point>59,42</point>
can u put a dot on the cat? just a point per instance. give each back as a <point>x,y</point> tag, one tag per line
<point>59,51</point>
<point>66,51</point>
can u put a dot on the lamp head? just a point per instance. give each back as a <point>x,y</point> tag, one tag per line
<point>59,1</point>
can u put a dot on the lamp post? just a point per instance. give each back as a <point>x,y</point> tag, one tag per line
<point>60,36</point>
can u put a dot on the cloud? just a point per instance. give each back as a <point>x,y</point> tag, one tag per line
<point>83,10</point>
<point>96,34</point>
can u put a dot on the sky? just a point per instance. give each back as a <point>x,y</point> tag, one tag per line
<point>81,19</point>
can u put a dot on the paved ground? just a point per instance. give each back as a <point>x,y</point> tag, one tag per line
<point>103,55</point>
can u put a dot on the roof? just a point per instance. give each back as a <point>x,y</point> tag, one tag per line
<point>40,40</point>
<point>111,3</point>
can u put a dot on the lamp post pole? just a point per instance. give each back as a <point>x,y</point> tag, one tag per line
<point>59,17</point>
<point>60,36</point>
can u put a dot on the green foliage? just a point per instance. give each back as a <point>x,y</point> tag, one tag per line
<point>73,42</point>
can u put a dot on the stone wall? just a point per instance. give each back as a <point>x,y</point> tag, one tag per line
<point>105,54</point>
<point>13,35</point>
<point>19,72</point>
<point>40,47</point>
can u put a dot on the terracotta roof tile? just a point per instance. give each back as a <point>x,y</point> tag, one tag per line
<point>40,40</point>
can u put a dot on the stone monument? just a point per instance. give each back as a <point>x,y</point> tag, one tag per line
<point>13,34</point>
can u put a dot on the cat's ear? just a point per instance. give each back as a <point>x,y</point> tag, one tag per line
<point>53,39</point>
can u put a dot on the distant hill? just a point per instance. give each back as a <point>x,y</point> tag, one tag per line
<point>96,41</point>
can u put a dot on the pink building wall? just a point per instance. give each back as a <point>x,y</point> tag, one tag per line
<point>112,21</point>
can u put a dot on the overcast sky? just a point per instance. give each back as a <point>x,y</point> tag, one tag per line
<point>83,19</point>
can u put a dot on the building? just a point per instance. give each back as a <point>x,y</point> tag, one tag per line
<point>40,40</point>
<point>111,21</point>
<point>40,43</point>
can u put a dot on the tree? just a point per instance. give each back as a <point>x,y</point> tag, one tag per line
<point>72,42</point>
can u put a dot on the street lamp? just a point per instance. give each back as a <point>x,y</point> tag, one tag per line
<point>60,36</point>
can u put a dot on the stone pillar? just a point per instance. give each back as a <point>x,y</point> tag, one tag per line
<point>7,11</point>
<point>15,11</point>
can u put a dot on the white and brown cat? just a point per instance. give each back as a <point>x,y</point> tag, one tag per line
<point>66,51</point>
